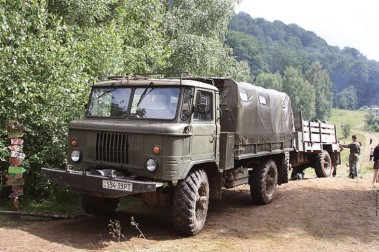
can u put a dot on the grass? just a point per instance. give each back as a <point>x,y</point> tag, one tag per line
<point>353,117</point>
<point>66,205</point>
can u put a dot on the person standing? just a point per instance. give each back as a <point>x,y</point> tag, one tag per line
<point>355,150</point>
<point>376,165</point>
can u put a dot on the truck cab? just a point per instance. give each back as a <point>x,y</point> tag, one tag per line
<point>146,128</point>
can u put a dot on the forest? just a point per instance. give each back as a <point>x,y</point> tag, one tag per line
<point>52,51</point>
<point>272,47</point>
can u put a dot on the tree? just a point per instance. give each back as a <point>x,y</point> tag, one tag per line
<point>372,122</point>
<point>196,33</point>
<point>346,99</point>
<point>245,48</point>
<point>52,50</point>
<point>82,12</point>
<point>319,79</point>
<point>43,84</point>
<point>267,80</point>
<point>302,93</point>
<point>359,79</point>
<point>346,129</point>
<point>274,46</point>
<point>49,59</point>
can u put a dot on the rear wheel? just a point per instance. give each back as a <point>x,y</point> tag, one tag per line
<point>323,165</point>
<point>285,168</point>
<point>190,206</point>
<point>98,206</point>
<point>263,182</point>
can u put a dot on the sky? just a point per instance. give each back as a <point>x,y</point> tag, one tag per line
<point>342,23</point>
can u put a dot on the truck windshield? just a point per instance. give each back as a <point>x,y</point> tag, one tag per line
<point>109,102</point>
<point>155,103</point>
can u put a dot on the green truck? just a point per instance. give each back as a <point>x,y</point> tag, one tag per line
<point>179,142</point>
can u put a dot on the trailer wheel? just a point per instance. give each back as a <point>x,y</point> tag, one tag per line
<point>323,165</point>
<point>98,206</point>
<point>190,206</point>
<point>263,182</point>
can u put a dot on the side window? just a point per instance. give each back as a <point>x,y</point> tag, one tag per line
<point>187,104</point>
<point>204,107</point>
<point>262,100</point>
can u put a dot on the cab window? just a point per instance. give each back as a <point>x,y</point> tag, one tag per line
<point>204,107</point>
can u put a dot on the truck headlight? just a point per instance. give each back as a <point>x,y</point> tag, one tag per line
<point>75,155</point>
<point>152,164</point>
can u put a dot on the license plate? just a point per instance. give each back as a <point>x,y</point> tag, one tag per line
<point>117,185</point>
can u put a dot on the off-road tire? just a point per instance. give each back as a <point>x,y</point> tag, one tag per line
<point>190,205</point>
<point>285,169</point>
<point>263,182</point>
<point>99,206</point>
<point>323,165</point>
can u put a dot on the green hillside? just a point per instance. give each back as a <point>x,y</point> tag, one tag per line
<point>271,47</point>
<point>353,117</point>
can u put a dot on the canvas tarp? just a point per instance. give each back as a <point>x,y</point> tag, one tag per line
<point>256,115</point>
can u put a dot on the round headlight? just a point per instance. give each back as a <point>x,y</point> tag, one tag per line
<point>75,155</point>
<point>151,165</point>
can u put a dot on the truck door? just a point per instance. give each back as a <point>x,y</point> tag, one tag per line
<point>204,127</point>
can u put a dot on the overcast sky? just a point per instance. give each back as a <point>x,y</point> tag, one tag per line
<point>342,23</point>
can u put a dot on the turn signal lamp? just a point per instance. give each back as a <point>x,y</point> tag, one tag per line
<point>156,150</point>
<point>74,142</point>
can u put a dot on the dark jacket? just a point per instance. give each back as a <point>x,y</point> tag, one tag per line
<point>355,147</point>
<point>376,153</point>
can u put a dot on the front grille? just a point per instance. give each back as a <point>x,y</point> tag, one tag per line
<point>112,147</point>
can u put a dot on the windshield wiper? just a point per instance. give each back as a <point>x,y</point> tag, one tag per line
<point>107,91</point>
<point>144,93</point>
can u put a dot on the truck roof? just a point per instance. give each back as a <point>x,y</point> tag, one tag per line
<point>124,82</point>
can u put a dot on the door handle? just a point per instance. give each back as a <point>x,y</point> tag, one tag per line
<point>212,139</point>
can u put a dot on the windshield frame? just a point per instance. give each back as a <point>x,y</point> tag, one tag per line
<point>108,92</point>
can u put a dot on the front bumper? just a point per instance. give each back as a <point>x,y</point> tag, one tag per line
<point>91,182</point>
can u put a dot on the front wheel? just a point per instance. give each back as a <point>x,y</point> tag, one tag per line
<point>323,165</point>
<point>190,206</point>
<point>263,182</point>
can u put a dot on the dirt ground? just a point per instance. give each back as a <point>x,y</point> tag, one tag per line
<point>329,214</point>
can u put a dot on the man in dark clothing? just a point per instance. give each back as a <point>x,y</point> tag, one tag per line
<point>355,150</point>
<point>376,165</point>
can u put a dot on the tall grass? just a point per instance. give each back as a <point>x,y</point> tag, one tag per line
<point>342,117</point>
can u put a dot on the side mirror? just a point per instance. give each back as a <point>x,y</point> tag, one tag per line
<point>202,105</point>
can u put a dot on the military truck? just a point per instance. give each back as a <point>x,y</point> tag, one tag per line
<point>180,141</point>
